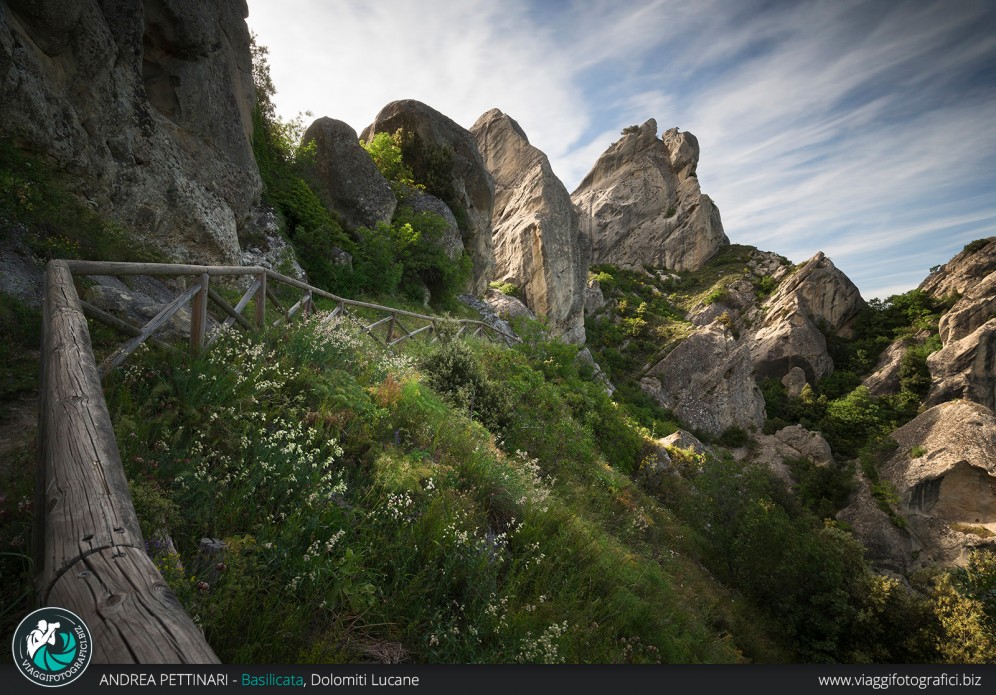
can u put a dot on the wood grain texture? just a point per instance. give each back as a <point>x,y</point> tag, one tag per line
<point>132,614</point>
<point>86,522</point>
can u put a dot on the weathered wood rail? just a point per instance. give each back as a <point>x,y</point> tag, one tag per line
<point>89,551</point>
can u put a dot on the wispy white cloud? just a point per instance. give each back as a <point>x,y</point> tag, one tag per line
<point>859,128</point>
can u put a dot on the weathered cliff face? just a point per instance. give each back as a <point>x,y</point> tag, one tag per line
<point>817,296</point>
<point>966,366</point>
<point>348,180</point>
<point>641,203</point>
<point>439,137</point>
<point>945,474</point>
<point>708,382</point>
<point>147,105</point>
<point>538,242</point>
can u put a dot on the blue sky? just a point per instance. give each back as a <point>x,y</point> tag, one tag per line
<point>862,128</point>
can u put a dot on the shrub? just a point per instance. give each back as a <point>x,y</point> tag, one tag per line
<point>385,150</point>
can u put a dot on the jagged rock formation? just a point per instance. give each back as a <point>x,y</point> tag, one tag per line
<point>817,298</point>
<point>641,203</point>
<point>439,138</point>
<point>966,366</point>
<point>537,237</point>
<point>964,271</point>
<point>708,382</point>
<point>944,472</point>
<point>148,105</point>
<point>348,181</point>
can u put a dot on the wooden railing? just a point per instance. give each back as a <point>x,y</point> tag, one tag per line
<point>90,554</point>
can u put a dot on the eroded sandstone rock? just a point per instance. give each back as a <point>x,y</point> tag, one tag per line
<point>538,242</point>
<point>708,382</point>
<point>944,472</point>
<point>638,210</point>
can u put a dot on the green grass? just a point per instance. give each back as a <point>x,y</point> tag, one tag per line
<point>383,517</point>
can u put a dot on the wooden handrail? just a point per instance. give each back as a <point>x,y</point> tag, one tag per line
<point>90,554</point>
<point>261,274</point>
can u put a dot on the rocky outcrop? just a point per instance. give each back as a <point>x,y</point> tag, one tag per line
<point>886,546</point>
<point>507,306</point>
<point>684,440</point>
<point>965,368</point>
<point>970,275</point>
<point>268,248</point>
<point>594,299</point>
<point>817,298</point>
<point>885,379</point>
<point>641,203</point>
<point>440,142</point>
<point>967,269</point>
<point>944,472</point>
<point>790,443</point>
<point>537,237</point>
<point>347,179</point>
<point>708,383</point>
<point>146,105</point>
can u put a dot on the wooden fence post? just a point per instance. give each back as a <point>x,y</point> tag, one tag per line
<point>198,315</point>
<point>261,302</point>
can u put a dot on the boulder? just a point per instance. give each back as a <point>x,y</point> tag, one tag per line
<point>507,306</point>
<point>638,211</point>
<point>538,242</point>
<point>806,444</point>
<point>944,472</point>
<point>818,298</point>
<point>487,313</point>
<point>965,368</point>
<point>348,181</point>
<point>684,440</point>
<point>441,142</point>
<point>793,442</point>
<point>707,381</point>
<point>148,106</point>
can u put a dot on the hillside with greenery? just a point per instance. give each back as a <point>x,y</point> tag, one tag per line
<point>463,502</point>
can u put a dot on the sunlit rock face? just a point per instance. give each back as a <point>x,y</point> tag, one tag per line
<point>641,203</point>
<point>538,243</point>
